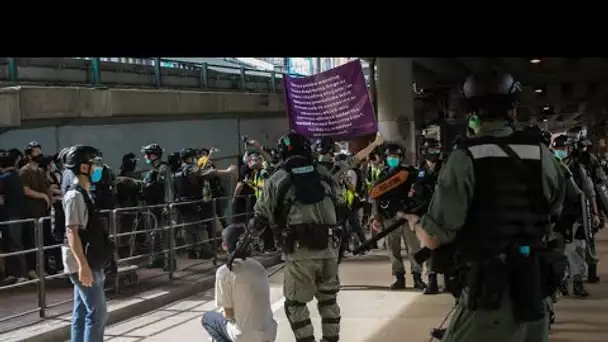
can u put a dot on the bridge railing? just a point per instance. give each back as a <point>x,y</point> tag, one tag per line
<point>153,73</point>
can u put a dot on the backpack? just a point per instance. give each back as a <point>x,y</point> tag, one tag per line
<point>308,183</point>
<point>58,221</point>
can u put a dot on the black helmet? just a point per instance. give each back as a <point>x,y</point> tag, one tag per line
<point>153,149</point>
<point>293,144</point>
<point>174,160</point>
<point>324,145</point>
<point>186,153</point>
<point>6,159</point>
<point>393,148</point>
<point>545,137</point>
<point>274,155</point>
<point>81,154</point>
<point>561,141</point>
<point>491,89</point>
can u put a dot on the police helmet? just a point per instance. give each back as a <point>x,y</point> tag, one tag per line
<point>294,144</point>
<point>174,161</point>
<point>62,153</point>
<point>81,154</point>
<point>186,153</point>
<point>492,90</point>
<point>324,145</point>
<point>561,141</point>
<point>274,155</point>
<point>153,149</point>
<point>6,159</point>
<point>393,149</point>
<point>545,137</point>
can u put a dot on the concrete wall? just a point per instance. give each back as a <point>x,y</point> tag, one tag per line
<point>19,104</point>
<point>117,139</point>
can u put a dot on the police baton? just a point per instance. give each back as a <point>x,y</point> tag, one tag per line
<point>367,244</point>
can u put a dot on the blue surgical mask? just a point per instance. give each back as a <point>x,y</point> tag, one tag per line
<point>96,175</point>
<point>148,161</point>
<point>561,154</point>
<point>392,162</point>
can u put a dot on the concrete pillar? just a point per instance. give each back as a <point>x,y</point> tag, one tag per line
<point>396,102</point>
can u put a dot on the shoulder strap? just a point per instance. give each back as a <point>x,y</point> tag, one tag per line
<point>85,196</point>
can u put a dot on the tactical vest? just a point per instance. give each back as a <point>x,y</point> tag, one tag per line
<point>188,185</point>
<point>508,206</point>
<point>96,243</point>
<point>154,187</point>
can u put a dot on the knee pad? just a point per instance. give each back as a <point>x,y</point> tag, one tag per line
<point>293,303</point>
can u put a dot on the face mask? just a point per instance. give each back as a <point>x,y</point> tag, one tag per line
<point>148,161</point>
<point>392,162</point>
<point>561,154</point>
<point>96,175</point>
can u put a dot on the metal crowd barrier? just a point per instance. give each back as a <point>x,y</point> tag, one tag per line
<point>155,219</point>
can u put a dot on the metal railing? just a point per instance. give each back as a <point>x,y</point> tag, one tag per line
<point>126,226</point>
<point>137,72</point>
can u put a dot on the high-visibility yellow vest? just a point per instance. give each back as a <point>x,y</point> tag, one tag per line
<point>258,181</point>
<point>375,173</point>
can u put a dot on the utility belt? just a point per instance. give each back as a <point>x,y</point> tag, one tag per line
<point>530,276</point>
<point>312,236</point>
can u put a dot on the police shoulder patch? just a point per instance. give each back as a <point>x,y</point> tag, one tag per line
<point>421,174</point>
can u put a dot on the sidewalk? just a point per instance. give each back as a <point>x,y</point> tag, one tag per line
<point>153,290</point>
<point>370,311</point>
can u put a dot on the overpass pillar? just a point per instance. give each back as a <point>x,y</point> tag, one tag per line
<point>396,103</point>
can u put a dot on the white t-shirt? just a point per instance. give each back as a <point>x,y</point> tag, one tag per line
<point>246,290</point>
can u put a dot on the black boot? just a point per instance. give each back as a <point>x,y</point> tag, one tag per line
<point>433,287</point>
<point>578,289</point>
<point>418,283</point>
<point>563,289</point>
<point>399,283</point>
<point>592,277</point>
<point>438,333</point>
<point>192,255</point>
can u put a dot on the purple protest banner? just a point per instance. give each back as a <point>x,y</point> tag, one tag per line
<point>332,103</point>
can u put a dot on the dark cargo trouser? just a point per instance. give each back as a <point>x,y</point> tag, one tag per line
<point>307,279</point>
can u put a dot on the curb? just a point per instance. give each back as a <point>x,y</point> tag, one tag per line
<point>62,333</point>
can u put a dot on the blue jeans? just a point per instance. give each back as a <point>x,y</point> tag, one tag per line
<point>90,311</point>
<point>215,324</point>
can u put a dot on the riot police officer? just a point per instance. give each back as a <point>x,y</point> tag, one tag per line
<point>424,187</point>
<point>384,213</point>
<point>593,166</point>
<point>158,189</point>
<point>493,200</point>
<point>325,148</point>
<point>578,236</point>
<point>188,188</point>
<point>299,199</point>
